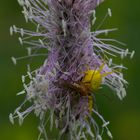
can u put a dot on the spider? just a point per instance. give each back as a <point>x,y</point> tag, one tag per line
<point>90,83</point>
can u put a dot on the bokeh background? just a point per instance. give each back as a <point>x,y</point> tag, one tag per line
<point>124,116</point>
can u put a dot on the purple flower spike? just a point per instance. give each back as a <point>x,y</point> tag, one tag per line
<point>62,91</point>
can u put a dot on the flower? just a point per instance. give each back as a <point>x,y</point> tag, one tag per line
<point>78,62</point>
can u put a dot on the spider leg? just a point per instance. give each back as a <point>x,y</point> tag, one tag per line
<point>101,67</point>
<point>90,103</point>
<point>107,73</point>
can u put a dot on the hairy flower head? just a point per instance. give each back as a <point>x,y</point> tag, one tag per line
<point>77,64</point>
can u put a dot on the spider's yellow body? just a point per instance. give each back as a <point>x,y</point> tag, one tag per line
<point>93,79</point>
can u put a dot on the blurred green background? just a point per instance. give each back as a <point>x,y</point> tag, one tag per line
<point>124,116</point>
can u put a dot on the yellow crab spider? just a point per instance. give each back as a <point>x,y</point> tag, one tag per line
<point>93,78</point>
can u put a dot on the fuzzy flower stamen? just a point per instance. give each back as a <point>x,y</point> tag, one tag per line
<point>77,63</point>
